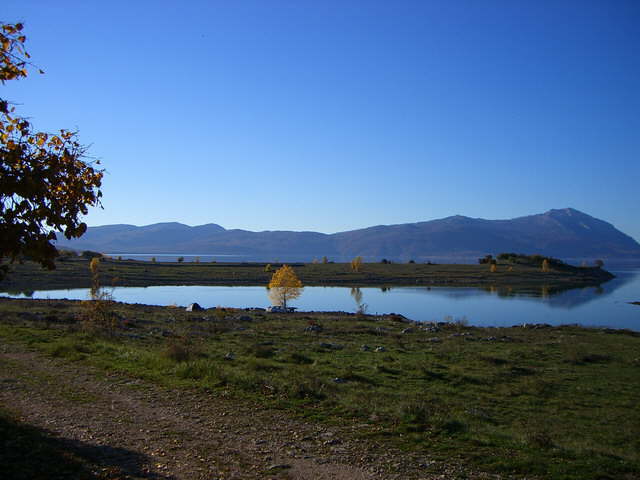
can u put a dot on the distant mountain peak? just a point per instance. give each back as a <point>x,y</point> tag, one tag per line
<point>568,212</point>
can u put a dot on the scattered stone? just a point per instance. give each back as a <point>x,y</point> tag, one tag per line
<point>365,348</point>
<point>194,307</point>
<point>339,380</point>
<point>331,346</point>
<point>333,441</point>
<point>279,466</point>
<point>490,339</point>
<point>408,330</point>
<point>314,328</point>
<point>380,348</point>
<point>434,340</point>
<point>230,356</point>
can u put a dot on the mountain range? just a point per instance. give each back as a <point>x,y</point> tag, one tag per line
<point>562,233</point>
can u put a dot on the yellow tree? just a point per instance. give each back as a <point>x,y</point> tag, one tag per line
<point>356,264</point>
<point>284,285</point>
<point>45,182</point>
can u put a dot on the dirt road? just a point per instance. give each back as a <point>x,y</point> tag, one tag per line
<point>141,430</point>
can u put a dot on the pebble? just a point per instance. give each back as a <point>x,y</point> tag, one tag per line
<point>279,466</point>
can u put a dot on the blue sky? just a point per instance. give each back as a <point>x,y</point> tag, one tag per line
<point>336,115</point>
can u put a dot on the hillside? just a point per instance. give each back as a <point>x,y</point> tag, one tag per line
<point>566,233</point>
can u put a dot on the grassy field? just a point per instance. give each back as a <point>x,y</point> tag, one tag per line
<point>74,273</point>
<point>548,402</point>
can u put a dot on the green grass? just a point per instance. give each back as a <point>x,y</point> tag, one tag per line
<point>553,402</point>
<point>75,273</point>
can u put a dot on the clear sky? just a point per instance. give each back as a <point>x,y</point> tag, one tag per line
<point>336,114</point>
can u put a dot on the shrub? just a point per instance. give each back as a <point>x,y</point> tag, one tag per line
<point>180,259</point>
<point>98,314</point>
<point>485,260</point>
<point>177,351</point>
<point>356,264</point>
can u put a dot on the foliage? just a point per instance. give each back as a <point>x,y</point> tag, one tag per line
<point>356,264</point>
<point>284,285</point>
<point>545,265</point>
<point>88,254</point>
<point>268,268</point>
<point>486,260</point>
<point>180,259</point>
<point>325,260</point>
<point>493,268</point>
<point>531,260</point>
<point>599,263</point>
<point>46,184</point>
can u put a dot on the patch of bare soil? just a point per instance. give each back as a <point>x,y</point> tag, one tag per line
<point>141,430</point>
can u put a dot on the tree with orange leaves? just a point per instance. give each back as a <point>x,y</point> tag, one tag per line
<point>284,285</point>
<point>46,182</point>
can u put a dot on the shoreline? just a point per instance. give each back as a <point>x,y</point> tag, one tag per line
<point>75,273</point>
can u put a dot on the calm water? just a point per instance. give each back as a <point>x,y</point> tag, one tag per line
<point>606,305</point>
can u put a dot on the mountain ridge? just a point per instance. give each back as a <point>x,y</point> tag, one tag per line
<point>563,233</point>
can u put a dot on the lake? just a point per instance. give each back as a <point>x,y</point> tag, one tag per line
<point>607,305</point>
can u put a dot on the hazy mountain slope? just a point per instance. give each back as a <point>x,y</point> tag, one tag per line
<point>560,233</point>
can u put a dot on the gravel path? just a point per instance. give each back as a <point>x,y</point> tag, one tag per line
<point>146,431</point>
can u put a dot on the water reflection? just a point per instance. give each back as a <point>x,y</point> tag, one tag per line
<point>552,295</point>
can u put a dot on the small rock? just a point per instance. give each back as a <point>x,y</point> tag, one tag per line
<point>339,380</point>
<point>314,328</point>
<point>365,348</point>
<point>194,307</point>
<point>380,349</point>
<point>331,346</point>
<point>229,356</point>
<point>279,466</point>
<point>434,340</point>
<point>408,330</point>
